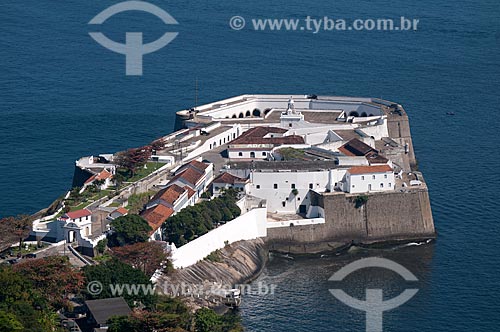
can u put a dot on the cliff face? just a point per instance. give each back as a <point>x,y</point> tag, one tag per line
<point>385,217</point>
<point>237,263</point>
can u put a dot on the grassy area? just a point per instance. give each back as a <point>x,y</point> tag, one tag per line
<point>86,199</point>
<point>31,248</point>
<point>115,204</point>
<point>141,172</point>
<point>137,201</point>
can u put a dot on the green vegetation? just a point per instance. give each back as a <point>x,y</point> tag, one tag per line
<point>101,246</point>
<point>115,272</point>
<point>214,256</point>
<point>206,194</point>
<point>360,201</point>
<point>137,201</point>
<point>77,201</point>
<point>171,314</point>
<point>140,173</point>
<point>291,153</point>
<point>295,192</point>
<point>206,320</point>
<point>128,229</point>
<point>32,292</point>
<point>194,221</point>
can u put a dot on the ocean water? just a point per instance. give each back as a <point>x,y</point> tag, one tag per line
<point>63,96</point>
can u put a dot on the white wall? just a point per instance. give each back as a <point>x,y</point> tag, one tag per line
<point>234,153</point>
<point>215,141</point>
<point>298,222</point>
<point>249,226</point>
<point>362,183</point>
<point>262,186</point>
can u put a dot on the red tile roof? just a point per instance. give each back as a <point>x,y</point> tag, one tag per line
<point>191,175</point>
<point>157,215</point>
<point>228,178</point>
<point>121,210</point>
<point>170,194</point>
<point>355,147</point>
<point>191,192</point>
<point>77,214</point>
<point>370,169</point>
<point>198,164</point>
<point>256,136</point>
<point>103,175</point>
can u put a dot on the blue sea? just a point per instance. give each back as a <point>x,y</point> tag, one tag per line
<point>63,96</point>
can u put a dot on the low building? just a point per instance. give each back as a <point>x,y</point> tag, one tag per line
<point>357,148</point>
<point>285,184</point>
<point>103,180</point>
<point>100,311</point>
<point>76,224</point>
<point>119,212</point>
<point>195,174</point>
<point>174,197</point>
<point>363,179</point>
<point>258,143</point>
<point>156,216</point>
<point>226,181</point>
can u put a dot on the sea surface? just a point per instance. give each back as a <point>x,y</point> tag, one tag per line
<point>63,96</point>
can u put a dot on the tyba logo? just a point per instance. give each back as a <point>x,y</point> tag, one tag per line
<point>134,49</point>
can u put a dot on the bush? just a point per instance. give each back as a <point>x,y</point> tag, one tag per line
<point>360,201</point>
<point>197,220</point>
<point>128,229</point>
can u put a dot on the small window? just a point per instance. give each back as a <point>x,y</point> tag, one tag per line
<point>298,198</point>
<point>353,186</point>
<point>293,185</point>
<point>252,154</point>
<point>275,186</point>
<point>373,177</point>
<point>381,185</point>
<point>283,203</point>
<point>310,185</point>
<point>264,153</point>
<point>362,177</point>
<point>390,185</point>
<point>257,186</point>
<point>240,154</point>
<point>290,124</point>
<point>385,176</point>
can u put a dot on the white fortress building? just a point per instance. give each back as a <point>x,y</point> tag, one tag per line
<point>287,145</point>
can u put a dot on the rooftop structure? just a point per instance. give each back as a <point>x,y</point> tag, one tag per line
<point>102,310</point>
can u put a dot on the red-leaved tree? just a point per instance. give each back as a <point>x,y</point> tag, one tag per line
<point>146,256</point>
<point>53,276</point>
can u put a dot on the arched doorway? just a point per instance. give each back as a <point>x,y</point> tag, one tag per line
<point>256,112</point>
<point>71,236</point>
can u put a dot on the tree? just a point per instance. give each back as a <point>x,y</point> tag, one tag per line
<point>158,144</point>
<point>53,276</point>
<point>24,304</point>
<point>132,159</point>
<point>146,256</point>
<point>9,322</point>
<point>116,273</point>
<point>128,229</point>
<point>15,228</point>
<point>101,246</point>
<point>206,320</point>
